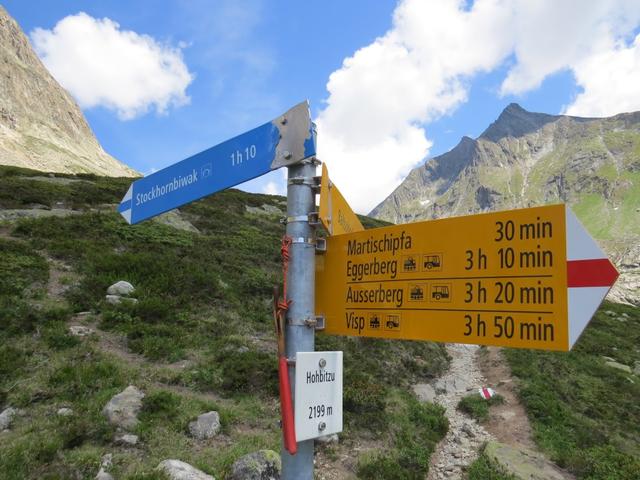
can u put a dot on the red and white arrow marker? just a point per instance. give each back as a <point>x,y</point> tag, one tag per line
<point>590,276</point>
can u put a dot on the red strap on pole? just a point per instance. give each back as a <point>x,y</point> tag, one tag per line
<point>280,307</point>
<point>286,408</point>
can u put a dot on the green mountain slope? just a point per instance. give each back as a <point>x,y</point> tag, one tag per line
<point>199,338</point>
<point>526,159</point>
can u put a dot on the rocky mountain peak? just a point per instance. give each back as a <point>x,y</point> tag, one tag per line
<point>515,121</point>
<point>41,126</point>
<point>525,159</point>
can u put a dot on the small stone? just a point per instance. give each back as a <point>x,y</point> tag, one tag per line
<point>64,412</point>
<point>122,410</point>
<point>121,288</point>
<point>102,475</point>
<point>333,438</point>
<point>610,313</point>
<point>127,439</point>
<point>6,418</point>
<point>260,465</point>
<point>80,331</point>
<point>178,470</point>
<point>106,461</point>
<point>206,426</point>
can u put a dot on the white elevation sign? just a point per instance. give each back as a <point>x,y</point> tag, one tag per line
<point>318,402</point>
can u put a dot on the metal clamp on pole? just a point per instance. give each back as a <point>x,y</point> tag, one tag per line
<point>310,218</point>
<point>314,219</point>
<point>318,185</point>
<point>321,245</point>
<point>302,181</point>
<point>317,322</point>
<point>306,241</point>
<point>311,160</point>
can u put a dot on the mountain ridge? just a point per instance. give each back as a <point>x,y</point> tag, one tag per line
<point>526,159</point>
<point>41,126</point>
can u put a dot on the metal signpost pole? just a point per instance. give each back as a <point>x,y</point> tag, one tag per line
<point>301,291</point>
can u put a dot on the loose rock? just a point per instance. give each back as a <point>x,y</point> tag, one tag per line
<point>122,410</point>
<point>177,470</point>
<point>120,288</point>
<point>206,426</point>
<point>6,418</point>
<point>80,331</point>
<point>117,299</point>
<point>106,461</point>
<point>522,463</point>
<point>326,439</point>
<point>103,475</point>
<point>127,439</point>
<point>260,465</point>
<point>64,412</point>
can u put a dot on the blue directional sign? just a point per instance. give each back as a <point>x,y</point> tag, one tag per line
<point>283,141</point>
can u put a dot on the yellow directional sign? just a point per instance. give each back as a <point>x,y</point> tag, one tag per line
<point>335,213</point>
<point>494,279</point>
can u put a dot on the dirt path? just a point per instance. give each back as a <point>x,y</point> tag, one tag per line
<point>508,422</point>
<point>460,446</point>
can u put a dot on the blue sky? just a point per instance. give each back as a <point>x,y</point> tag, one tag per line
<point>390,83</point>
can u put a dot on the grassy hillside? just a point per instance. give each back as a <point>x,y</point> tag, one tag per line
<point>199,338</point>
<point>586,413</point>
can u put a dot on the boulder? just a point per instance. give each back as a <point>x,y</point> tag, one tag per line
<point>120,288</point>
<point>206,426</point>
<point>260,465</point>
<point>122,410</point>
<point>424,392</point>
<point>177,470</point>
<point>117,299</point>
<point>6,418</point>
<point>522,463</point>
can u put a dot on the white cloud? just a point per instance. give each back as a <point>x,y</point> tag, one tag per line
<point>611,82</point>
<point>102,65</point>
<point>273,188</point>
<point>371,132</point>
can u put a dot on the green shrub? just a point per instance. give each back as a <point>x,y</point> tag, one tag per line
<point>57,337</point>
<point>161,404</point>
<point>484,469</point>
<point>248,372</point>
<point>417,429</point>
<point>477,407</point>
<point>20,268</point>
<point>84,376</point>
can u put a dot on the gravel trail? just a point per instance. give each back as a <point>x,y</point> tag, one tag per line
<point>460,446</point>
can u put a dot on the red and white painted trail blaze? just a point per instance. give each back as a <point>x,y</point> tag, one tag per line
<point>590,276</point>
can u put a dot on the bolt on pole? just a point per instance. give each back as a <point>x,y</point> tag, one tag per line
<point>301,292</point>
